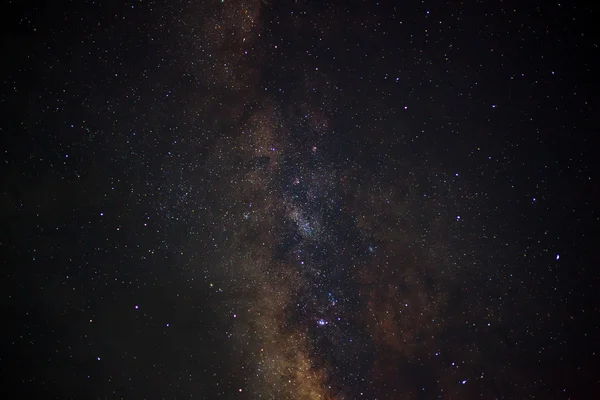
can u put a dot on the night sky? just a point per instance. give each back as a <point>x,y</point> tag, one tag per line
<point>304,200</point>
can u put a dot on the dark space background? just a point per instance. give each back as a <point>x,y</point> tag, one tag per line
<point>299,200</point>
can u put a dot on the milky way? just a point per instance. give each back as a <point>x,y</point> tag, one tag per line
<point>336,277</point>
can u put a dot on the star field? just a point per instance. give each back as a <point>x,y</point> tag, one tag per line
<point>250,199</point>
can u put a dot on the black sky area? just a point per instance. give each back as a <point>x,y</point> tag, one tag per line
<point>260,199</point>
